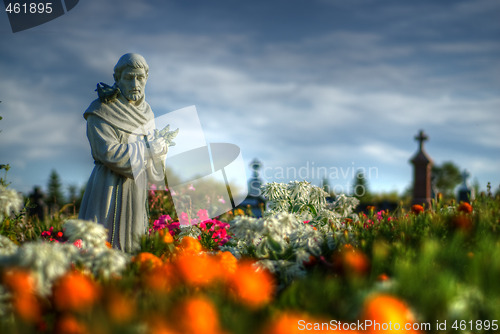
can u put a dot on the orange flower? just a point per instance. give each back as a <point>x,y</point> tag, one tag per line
<point>464,207</point>
<point>166,236</point>
<point>190,245</point>
<point>161,279</point>
<point>121,308</point>
<point>227,264</point>
<point>158,325</point>
<point>19,281</point>
<point>383,277</point>
<point>351,261</point>
<point>108,244</point>
<point>75,292</point>
<point>462,223</point>
<point>296,323</point>
<point>69,325</point>
<point>147,261</point>
<point>384,308</point>
<point>198,315</point>
<point>417,208</point>
<point>251,286</point>
<point>196,269</point>
<point>24,301</point>
<point>27,307</point>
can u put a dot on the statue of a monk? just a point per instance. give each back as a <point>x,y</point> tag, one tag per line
<point>127,155</point>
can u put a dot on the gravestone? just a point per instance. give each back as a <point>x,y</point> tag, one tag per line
<point>254,199</point>
<point>422,165</point>
<point>465,193</point>
<point>37,207</point>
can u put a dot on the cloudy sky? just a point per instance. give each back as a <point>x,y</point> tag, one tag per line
<point>307,86</point>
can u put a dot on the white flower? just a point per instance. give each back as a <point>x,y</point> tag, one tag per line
<point>10,202</point>
<point>91,233</point>
<point>7,247</point>
<point>189,231</point>
<point>47,261</point>
<point>109,263</point>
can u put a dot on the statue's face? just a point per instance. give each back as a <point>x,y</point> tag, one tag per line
<point>132,83</point>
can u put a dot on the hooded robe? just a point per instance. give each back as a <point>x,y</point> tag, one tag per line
<point>116,193</point>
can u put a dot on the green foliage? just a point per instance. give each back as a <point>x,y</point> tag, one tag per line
<point>446,177</point>
<point>360,188</point>
<point>55,197</point>
<point>444,263</point>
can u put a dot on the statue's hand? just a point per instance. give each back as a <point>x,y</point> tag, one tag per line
<point>159,146</point>
<point>167,135</point>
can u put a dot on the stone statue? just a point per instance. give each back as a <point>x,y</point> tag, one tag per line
<point>129,153</point>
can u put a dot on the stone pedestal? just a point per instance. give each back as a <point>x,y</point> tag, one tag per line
<point>422,165</point>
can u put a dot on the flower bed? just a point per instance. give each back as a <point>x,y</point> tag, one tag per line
<point>305,266</point>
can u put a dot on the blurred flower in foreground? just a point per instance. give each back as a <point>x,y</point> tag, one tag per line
<point>47,262</point>
<point>119,306</point>
<point>296,323</point>
<point>161,279</point>
<point>75,292</point>
<point>197,315</point>
<point>24,301</point>
<point>68,324</point>
<point>385,309</point>
<point>250,286</point>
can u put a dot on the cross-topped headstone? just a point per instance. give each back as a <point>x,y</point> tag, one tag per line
<point>421,138</point>
<point>255,165</point>
<point>421,173</point>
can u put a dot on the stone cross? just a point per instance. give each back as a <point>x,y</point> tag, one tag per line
<point>421,138</point>
<point>422,165</point>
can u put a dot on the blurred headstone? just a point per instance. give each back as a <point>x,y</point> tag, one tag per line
<point>254,200</point>
<point>37,206</point>
<point>465,192</point>
<point>422,165</point>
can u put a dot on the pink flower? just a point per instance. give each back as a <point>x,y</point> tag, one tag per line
<point>78,243</point>
<point>184,219</point>
<point>221,199</point>
<point>173,226</point>
<point>191,187</point>
<point>203,215</point>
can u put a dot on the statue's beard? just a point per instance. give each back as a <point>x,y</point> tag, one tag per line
<point>134,96</point>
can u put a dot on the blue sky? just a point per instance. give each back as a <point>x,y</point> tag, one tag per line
<point>311,85</point>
